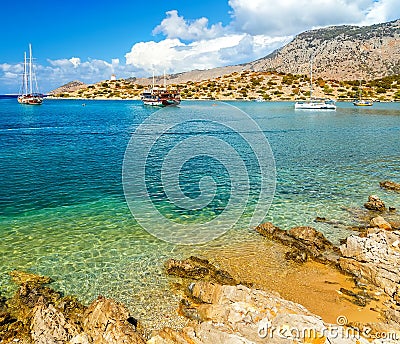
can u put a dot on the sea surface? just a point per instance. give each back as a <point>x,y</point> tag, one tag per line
<point>63,211</point>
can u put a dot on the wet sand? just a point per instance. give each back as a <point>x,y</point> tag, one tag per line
<point>314,285</point>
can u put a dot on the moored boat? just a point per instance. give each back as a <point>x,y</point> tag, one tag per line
<point>156,96</point>
<point>29,93</point>
<point>312,103</point>
<point>360,101</point>
<point>161,96</point>
<point>315,104</point>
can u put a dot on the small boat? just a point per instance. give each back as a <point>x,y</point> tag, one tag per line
<point>314,104</point>
<point>29,93</point>
<point>360,101</point>
<point>161,96</point>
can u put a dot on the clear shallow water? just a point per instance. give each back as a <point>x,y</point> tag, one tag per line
<point>63,211</point>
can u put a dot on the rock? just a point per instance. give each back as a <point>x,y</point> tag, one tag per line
<point>297,256</point>
<point>21,277</point>
<point>238,314</point>
<point>306,242</point>
<point>107,321</point>
<point>49,326</point>
<point>380,222</point>
<point>387,184</point>
<point>320,219</point>
<point>197,268</point>
<point>375,203</point>
<point>309,236</point>
<point>39,314</point>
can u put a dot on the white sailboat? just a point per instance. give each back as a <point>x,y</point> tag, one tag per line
<point>360,101</point>
<point>314,104</point>
<point>29,93</point>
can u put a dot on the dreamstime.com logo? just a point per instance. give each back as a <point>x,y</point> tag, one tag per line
<point>165,168</point>
<point>339,331</point>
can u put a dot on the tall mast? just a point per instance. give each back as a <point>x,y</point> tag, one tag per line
<point>25,77</point>
<point>165,81</point>
<point>153,78</point>
<point>30,68</point>
<point>312,56</point>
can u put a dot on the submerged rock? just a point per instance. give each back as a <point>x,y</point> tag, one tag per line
<point>22,277</point>
<point>375,203</point>
<point>197,268</point>
<point>306,242</point>
<point>387,184</point>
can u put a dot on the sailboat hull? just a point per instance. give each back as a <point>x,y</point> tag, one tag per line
<point>309,105</point>
<point>363,103</point>
<point>30,100</point>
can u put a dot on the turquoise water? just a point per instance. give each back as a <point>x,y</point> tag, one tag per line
<point>63,211</point>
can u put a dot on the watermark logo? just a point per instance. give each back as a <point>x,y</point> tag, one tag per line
<point>192,173</point>
<point>342,330</point>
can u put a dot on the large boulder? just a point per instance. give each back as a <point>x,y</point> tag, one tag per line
<point>375,203</point>
<point>107,321</point>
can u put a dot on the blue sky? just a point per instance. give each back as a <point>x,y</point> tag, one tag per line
<point>90,40</point>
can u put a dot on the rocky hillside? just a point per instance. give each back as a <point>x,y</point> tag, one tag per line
<point>70,87</point>
<point>340,52</point>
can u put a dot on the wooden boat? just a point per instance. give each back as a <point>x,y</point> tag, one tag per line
<point>29,93</point>
<point>161,96</point>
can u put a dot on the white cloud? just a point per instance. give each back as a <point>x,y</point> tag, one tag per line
<point>173,55</point>
<point>382,11</point>
<point>290,17</point>
<point>175,26</point>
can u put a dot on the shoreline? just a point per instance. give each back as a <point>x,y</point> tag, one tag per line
<point>200,99</point>
<point>329,292</point>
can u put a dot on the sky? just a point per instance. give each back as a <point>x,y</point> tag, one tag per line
<point>90,40</point>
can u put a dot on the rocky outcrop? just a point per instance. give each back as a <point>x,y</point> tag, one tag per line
<point>196,268</point>
<point>387,184</point>
<point>38,314</point>
<point>376,259</point>
<point>306,243</point>
<point>375,203</point>
<point>238,314</point>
